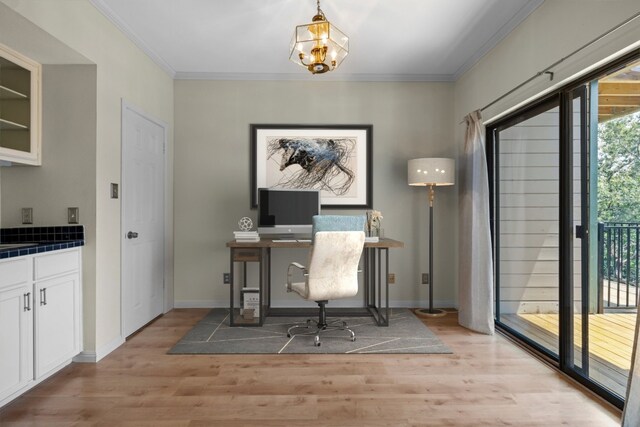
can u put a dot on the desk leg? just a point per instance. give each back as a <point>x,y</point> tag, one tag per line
<point>231,282</point>
<point>373,284</point>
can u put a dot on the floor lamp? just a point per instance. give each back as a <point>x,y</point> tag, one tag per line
<point>430,173</point>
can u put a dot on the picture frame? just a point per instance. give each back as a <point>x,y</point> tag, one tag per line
<point>335,159</point>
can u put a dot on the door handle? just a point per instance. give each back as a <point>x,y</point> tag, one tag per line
<point>43,296</point>
<point>132,235</point>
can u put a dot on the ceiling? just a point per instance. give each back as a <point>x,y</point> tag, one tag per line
<point>390,40</point>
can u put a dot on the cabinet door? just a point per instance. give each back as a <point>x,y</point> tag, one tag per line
<point>16,339</point>
<point>20,108</point>
<point>57,322</point>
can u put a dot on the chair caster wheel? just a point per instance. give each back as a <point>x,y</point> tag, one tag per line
<point>288,335</point>
<point>316,341</point>
<point>353,339</point>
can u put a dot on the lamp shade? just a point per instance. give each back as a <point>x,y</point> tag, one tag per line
<point>431,171</point>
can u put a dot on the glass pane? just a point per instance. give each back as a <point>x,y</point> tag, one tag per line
<point>612,322</point>
<point>528,223</point>
<point>15,107</point>
<point>580,298</point>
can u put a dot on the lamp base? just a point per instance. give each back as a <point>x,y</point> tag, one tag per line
<point>430,312</point>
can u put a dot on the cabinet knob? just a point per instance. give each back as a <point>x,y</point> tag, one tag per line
<point>132,235</point>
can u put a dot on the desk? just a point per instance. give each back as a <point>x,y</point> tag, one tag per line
<point>376,259</point>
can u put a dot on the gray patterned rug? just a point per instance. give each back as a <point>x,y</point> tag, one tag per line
<point>213,335</point>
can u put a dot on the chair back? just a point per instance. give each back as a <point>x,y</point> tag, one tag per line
<point>338,241</point>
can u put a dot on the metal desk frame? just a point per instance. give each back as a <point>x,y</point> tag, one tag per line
<point>376,275</point>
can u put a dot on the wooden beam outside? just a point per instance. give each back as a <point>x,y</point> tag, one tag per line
<point>619,89</point>
<point>619,101</point>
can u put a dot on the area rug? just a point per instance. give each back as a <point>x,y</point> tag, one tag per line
<point>405,334</point>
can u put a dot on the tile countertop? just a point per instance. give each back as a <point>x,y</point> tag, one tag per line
<point>33,240</point>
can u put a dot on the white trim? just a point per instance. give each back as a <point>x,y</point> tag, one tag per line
<point>201,304</point>
<point>497,37</point>
<point>302,76</point>
<point>103,351</point>
<point>86,357</point>
<point>132,36</point>
<point>297,304</point>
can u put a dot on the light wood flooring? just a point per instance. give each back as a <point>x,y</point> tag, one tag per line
<point>610,342</point>
<point>487,381</point>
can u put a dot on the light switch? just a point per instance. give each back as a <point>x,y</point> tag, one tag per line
<point>73,215</point>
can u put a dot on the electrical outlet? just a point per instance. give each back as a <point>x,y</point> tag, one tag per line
<point>114,190</point>
<point>392,278</point>
<point>73,215</point>
<point>226,278</point>
<point>27,215</point>
<point>425,278</point>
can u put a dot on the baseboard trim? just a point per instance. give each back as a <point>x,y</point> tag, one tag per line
<point>85,357</point>
<point>103,351</point>
<point>200,304</point>
<point>294,303</point>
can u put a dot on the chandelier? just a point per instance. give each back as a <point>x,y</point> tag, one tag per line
<point>318,46</point>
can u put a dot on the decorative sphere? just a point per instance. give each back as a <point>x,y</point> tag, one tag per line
<point>245,224</point>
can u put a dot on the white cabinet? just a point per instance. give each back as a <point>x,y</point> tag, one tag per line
<point>20,108</point>
<point>16,325</point>
<point>57,322</point>
<point>40,318</point>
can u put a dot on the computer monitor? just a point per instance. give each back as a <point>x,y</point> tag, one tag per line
<point>287,212</point>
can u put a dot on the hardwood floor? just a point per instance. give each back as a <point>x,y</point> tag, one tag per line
<point>610,342</point>
<point>488,381</point>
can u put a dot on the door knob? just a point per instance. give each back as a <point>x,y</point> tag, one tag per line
<point>132,235</point>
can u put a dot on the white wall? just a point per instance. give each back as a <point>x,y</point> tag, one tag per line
<point>123,71</point>
<point>551,32</point>
<point>212,121</point>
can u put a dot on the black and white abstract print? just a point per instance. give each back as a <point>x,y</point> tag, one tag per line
<point>314,163</point>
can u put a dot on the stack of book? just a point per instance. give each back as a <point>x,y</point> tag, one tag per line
<point>246,236</point>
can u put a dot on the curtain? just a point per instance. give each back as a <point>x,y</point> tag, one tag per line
<point>475,290</point>
<point>631,414</point>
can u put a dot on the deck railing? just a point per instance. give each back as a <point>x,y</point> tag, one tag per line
<point>619,264</point>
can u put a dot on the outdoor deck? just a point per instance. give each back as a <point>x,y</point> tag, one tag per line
<point>610,342</point>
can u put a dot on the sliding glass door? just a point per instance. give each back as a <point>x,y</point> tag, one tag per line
<point>526,155</point>
<point>548,294</point>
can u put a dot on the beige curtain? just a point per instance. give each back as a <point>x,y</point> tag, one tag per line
<point>631,414</point>
<point>475,290</point>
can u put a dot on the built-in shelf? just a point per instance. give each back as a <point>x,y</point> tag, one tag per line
<point>6,93</point>
<point>20,108</point>
<point>7,125</point>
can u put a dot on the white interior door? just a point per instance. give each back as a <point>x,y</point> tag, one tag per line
<point>143,142</point>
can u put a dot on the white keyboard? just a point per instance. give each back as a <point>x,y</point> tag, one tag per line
<point>284,240</point>
<point>304,240</point>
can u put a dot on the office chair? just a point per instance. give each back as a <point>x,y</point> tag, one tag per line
<point>338,241</point>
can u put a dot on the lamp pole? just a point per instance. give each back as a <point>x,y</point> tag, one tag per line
<point>431,312</point>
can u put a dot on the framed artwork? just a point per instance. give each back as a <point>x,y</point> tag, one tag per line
<point>335,159</point>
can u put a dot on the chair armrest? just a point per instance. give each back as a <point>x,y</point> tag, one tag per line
<point>290,273</point>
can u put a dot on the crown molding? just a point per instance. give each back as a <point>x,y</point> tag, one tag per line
<point>131,35</point>
<point>498,36</point>
<point>305,76</point>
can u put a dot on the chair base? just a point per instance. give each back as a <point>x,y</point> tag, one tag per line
<point>320,329</point>
<point>321,325</point>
